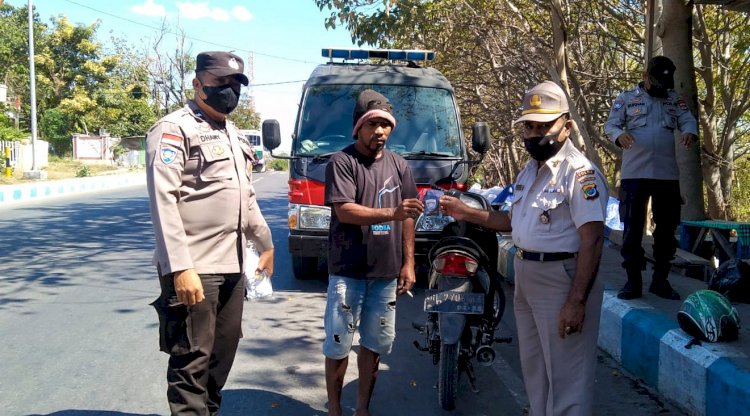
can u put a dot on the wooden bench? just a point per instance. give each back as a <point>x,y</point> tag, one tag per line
<point>684,262</point>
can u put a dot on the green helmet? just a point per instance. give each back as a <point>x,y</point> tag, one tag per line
<point>708,315</point>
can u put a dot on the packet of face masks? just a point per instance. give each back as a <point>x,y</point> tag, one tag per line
<point>431,200</point>
<point>257,285</point>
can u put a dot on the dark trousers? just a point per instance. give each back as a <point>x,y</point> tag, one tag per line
<point>201,341</point>
<point>665,205</point>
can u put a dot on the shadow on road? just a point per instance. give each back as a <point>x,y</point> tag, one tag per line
<point>76,412</point>
<point>47,244</point>
<point>243,402</point>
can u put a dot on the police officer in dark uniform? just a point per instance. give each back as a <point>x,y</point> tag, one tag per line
<point>642,122</point>
<point>204,209</point>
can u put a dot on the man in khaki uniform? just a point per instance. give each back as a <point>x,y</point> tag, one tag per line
<point>557,221</point>
<point>203,209</point>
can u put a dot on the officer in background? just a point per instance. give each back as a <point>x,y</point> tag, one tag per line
<point>557,222</point>
<point>203,208</point>
<point>642,122</point>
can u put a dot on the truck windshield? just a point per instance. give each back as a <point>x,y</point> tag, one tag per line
<point>427,122</point>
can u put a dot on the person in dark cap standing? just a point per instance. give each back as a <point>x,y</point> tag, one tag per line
<point>557,222</point>
<point>203,209</point>
<point>642,122</point>
<point>372,196</point>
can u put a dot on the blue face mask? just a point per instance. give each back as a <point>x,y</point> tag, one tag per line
<point>223,98</point>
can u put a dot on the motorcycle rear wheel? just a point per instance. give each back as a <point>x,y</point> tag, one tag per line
<point>448,375</point>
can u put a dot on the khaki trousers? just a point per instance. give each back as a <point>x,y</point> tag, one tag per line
<point>558,373</point>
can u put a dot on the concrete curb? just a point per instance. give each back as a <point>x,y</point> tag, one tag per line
<point>707,379</point>
<point>11,194</point>
<point>703,379</point>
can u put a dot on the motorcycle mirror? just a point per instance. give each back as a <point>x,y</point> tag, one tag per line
<point>480,137</point>
<point>271,134</point>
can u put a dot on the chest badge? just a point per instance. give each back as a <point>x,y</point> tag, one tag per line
<point>544,217</point>
<point>217,150</point>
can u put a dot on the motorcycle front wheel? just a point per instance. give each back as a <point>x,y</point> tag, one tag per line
<point>448,375</point>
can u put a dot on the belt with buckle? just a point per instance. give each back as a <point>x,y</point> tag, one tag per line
<point>541,257</point>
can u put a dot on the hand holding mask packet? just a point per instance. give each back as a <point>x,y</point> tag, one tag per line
<point>431,200</point>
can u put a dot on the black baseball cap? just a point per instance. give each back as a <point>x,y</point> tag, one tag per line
<point>221,64</point>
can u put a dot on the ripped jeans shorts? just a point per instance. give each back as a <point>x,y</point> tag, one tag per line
<point>367,304</point>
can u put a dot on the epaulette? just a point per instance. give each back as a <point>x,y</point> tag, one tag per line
<point>577,160</point>
<point>635,90</point>
<point>175,116</point>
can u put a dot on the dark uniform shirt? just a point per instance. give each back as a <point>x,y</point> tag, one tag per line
<point>651,121</point>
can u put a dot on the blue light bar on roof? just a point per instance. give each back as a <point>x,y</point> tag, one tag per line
<point>389,54</point>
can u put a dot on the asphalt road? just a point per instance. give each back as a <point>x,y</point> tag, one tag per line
<point>78,338</point>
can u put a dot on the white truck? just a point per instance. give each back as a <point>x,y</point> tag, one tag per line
<point>259,152</point>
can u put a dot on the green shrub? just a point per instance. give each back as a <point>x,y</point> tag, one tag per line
<point>11,134</point>
<point>278,164</point>
<point>83,172</point>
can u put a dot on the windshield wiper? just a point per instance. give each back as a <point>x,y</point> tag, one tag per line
<point>427,155</point>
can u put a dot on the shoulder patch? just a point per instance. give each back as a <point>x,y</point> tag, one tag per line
<point>582,173</point>
<point>682,104</point>
<point>590,191</point>
<point>167,154</point>
<point>618,104</point>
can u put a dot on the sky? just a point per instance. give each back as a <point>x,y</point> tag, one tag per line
<point>284,37</point>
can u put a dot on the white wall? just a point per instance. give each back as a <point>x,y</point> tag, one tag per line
<point>25,159</point>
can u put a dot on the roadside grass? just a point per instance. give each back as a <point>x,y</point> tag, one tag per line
<point>61,168</point>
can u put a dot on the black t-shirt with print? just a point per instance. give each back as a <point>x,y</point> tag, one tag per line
<point>366,251</point>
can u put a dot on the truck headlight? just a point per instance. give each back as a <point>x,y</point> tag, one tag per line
<point>432,222</point>
<point>314,217</point>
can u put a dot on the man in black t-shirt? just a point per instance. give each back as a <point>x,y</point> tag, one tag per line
<point>373,203</point>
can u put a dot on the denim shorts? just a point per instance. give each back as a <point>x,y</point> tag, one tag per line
<point>367,304</point>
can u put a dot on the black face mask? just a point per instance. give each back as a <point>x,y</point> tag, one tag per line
<point>660,86</point>
<point>542,148</point>
<point>223,98</point>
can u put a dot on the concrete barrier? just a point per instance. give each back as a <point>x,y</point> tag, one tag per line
<point>644,337</point>
<point>31,191</point>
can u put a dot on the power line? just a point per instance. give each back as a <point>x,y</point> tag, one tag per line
<point>189,37</point>
<point>276,83</point>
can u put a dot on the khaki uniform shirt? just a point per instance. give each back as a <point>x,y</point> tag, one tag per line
<point>203,207</point>
<point>551,202</point>
<point>651,121</point>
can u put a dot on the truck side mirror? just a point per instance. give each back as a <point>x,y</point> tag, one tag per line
<point>271,134</point>
<point>480,137</point>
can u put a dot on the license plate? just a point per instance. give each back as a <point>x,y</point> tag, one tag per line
<point>454,302</point>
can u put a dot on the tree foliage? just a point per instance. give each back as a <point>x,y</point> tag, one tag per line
<point>81,87</point>
<point>245,116</point>
<point>492,51</point>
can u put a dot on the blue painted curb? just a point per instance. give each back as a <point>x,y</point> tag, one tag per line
<point>707,379</point>
<point>31,191</point>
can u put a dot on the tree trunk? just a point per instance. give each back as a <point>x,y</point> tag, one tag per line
<point>560,75</point>
<point>677,24</point>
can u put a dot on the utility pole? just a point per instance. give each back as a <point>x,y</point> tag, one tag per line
<point>251,78</point>
<point>34,173</point>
